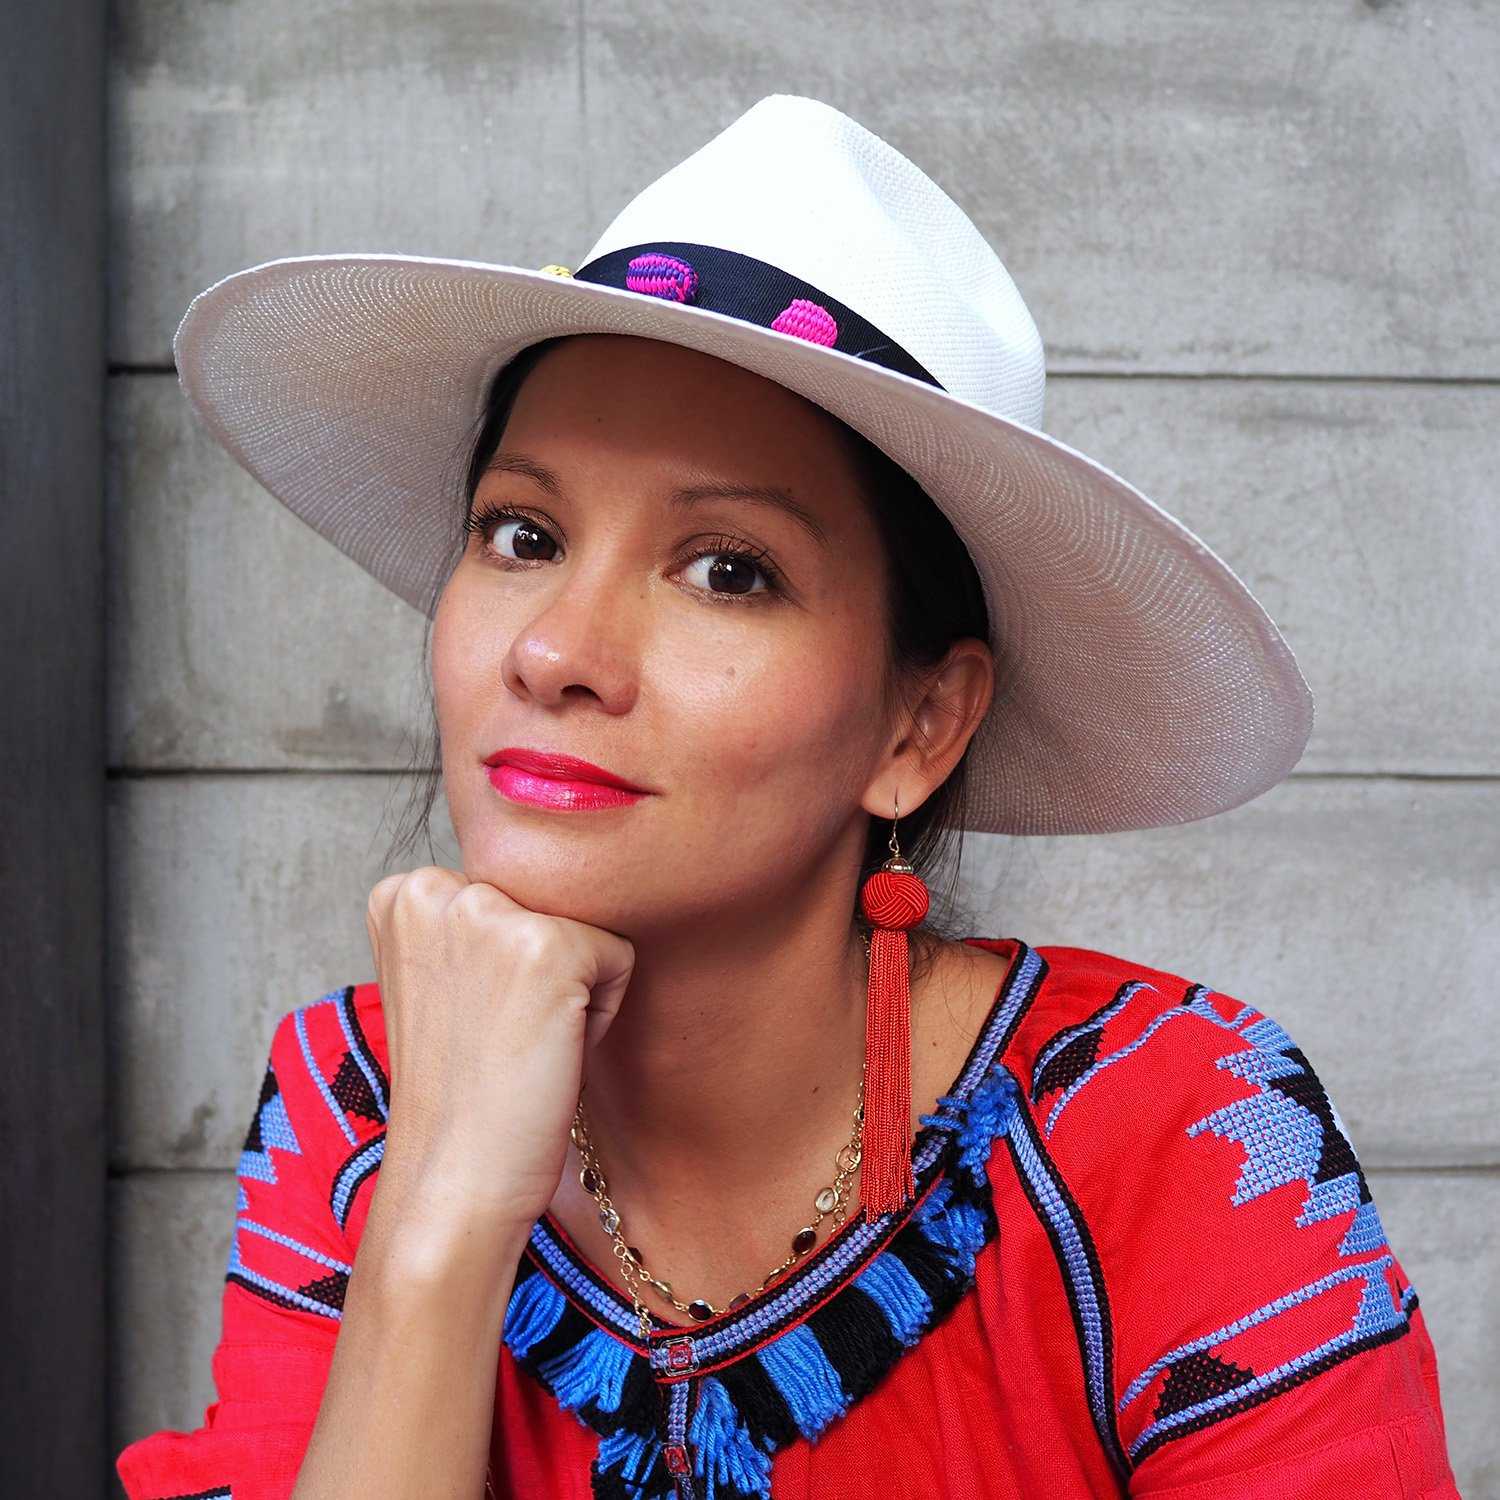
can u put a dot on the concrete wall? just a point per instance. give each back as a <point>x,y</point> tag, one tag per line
<point>1260,243</point>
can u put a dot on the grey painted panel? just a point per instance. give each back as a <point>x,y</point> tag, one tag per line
<point>1361,914</point>
<point>237,636</point>
<point>242,133</point>
<point>1273,188</point>
<point>172,1232</point>
<point>1363,516</point>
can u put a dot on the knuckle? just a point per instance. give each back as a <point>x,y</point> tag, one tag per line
<point>473,903</point>
<point>418,889</point>
<point>532,939</point>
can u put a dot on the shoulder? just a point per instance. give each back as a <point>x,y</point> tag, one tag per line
<point>1140,1079</point>
<point>1213,1222</point>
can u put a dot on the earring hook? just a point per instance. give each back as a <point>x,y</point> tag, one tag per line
<point>895,862</point>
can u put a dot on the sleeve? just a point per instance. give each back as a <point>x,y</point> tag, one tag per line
<point>282,1296</point>
<point>1258,1334</point>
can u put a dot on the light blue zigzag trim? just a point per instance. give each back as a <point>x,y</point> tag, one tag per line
<point>1268,1034</point>
<point>306,1251</point>
<point>1327,1200</point>
<point>1198,1006</point>
<point>291,1294</point>
<point>1282,1141</point>
<point>1377,1313</point>
<point>275,1130</point>
<point>1070,1034</point>
<point>1366,1232</point>
<point>612,1311</point>
<point>357,1054</point>
<point>345,1184</point>
<point>299,1018</point>
<point>1079,1273</point>
<point>1366,1270</point>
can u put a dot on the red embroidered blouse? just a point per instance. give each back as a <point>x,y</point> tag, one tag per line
<point>1143,1260</point>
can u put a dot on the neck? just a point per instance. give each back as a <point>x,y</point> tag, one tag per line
<point>735,1049</point>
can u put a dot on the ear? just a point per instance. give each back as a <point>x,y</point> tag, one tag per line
<point>952,699</point>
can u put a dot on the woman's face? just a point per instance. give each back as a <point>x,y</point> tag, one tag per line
<point>608,623</point>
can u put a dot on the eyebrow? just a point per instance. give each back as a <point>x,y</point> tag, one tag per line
<point>679,499</point>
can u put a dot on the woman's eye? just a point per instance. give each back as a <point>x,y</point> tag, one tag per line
<point>730,571</point>
<point>530,540</point>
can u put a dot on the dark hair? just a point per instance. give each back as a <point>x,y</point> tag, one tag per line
<point>934,597</point>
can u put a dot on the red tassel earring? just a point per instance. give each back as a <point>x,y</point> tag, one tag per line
<point>893,899</point>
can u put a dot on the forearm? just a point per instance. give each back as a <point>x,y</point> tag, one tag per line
<point>409,1404</point>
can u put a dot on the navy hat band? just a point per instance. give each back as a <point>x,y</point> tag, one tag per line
<point>740,286</point>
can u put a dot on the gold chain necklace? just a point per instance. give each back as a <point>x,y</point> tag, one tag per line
<point>831,1199</point>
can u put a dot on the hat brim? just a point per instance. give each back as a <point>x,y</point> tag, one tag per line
<point>1139,683</point>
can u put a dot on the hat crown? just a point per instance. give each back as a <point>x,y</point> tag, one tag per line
<point>800,185</point>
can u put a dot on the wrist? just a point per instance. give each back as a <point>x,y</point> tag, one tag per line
<point>431,1227</point>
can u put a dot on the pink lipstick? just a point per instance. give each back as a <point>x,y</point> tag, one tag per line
<point>545,778</point>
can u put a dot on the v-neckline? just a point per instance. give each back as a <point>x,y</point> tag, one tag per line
<point>841,1258</point>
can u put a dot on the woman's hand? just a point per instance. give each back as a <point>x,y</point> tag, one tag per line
<point>489,1011</point>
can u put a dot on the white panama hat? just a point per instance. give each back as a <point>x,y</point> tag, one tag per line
<point>1138,681</point>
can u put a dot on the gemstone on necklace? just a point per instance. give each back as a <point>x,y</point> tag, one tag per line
<point>700,1310</point>
<point>609,1219</point>
<point>636,1255</point>
<point>589,1179</point>
<point>805,1240</point>
<point>739,1301</point>
<point>826,1201</point>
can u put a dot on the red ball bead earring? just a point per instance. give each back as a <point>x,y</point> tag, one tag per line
<point>893,898</point>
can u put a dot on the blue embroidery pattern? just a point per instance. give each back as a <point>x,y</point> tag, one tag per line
<point>271,1130</point>
<point>1291,1130</point>
<point>1202,1388</point>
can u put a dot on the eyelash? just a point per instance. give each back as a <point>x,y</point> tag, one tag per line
<point>484,515</point>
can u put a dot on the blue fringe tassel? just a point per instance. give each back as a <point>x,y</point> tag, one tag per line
<point>808,1383</point>
<point>535,1307</point>
<point>899,1295</point>
<point>958,1227</point>
<point>633,1453</point>
<point>991,1112</point>
<point>724,1453</point>
<point>593,1367</point>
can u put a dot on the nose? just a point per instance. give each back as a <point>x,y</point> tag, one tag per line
<point>585,639</point>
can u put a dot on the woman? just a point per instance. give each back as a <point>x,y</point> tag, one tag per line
<point>670,1152</point>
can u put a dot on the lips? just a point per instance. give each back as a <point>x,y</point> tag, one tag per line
<point>560,767</point>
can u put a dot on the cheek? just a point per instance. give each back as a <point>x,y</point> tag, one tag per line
<point>464,657</point>
<point>775,717</point>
